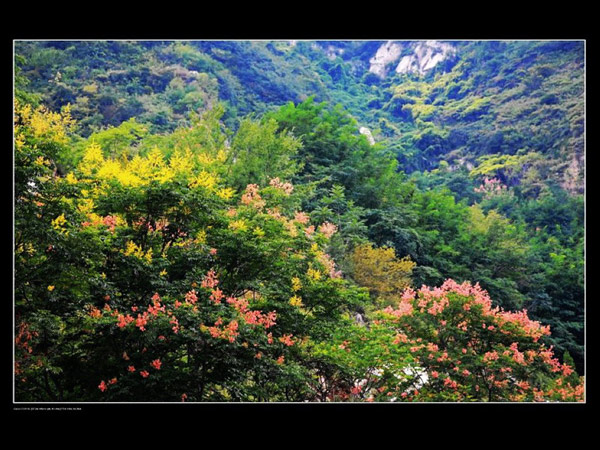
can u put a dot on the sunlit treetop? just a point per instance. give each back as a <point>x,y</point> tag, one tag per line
<point>41,122</point>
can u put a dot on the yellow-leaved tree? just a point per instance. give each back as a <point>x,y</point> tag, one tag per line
<point>380,271</point>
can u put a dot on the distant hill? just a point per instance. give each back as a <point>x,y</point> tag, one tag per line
<point>430,101</point>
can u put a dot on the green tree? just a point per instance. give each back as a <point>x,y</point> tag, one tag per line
<point>260,153</point>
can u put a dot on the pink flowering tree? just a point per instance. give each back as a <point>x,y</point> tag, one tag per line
<point>464,349</point>
<point>171,347</point>
<point>238,329</point>
<point>171,287</point>
<point>444,344</point>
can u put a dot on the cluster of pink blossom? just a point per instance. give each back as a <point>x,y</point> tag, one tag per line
<point>287,340</point>
<point>531,328</point>
<point>216,295</point>
<point>564,391</point>
<point>251,197</point>
<point>547,356</point>
<point>229,332</point>
<point>517,356</point>
<point>210,280</point>
<point>435,300</point>
<point>158,225</point>
<point>327,229</point>
<point>287,188</point>
<point>156,306</point>
<point>438,306</point>
<point>24,337</point>
<point>175,322</point>
<point>191,297</point>
<point>450,383</point>
<point>142,321</point>
<point>301,217</point>
<point>405,308</point>
<point>110,222</point>
<point>123,321</point>
<point>491,356</point>
<point>400,337</point>
<point>490,187</point>
<point>250,317</point>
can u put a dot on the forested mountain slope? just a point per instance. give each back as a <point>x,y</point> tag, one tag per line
<point>284,191</point>
<point>431,101</point>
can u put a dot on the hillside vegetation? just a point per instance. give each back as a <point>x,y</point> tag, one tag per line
<point>349,221</point>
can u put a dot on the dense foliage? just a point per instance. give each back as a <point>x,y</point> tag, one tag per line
<point>171,247</point>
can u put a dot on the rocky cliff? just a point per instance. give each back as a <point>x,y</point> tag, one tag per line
<point>411,57</point>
